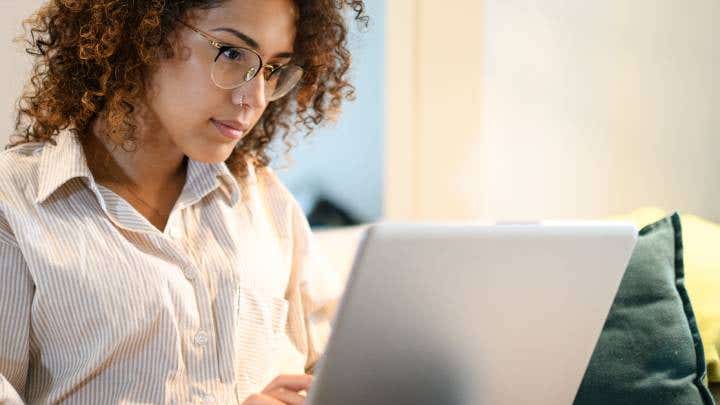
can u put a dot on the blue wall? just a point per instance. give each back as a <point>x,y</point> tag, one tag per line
<point>344,161</point>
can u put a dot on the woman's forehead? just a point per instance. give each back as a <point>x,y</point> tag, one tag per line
<point>270,23</point>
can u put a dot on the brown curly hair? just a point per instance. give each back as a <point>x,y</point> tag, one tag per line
<point>93,56</point>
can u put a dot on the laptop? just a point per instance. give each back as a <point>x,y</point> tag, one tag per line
<point>472,314</point>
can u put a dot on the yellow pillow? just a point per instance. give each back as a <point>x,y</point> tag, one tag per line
<point>701,245</point>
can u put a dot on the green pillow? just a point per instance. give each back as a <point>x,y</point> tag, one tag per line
<point>649,351</point>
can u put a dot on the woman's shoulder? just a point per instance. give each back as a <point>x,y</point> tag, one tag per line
<point>266,177</point>
<point>18,182</point>
<point>19,167</point>
<point>272,193</point>
<point>26,150</point>
<point>272,187</point>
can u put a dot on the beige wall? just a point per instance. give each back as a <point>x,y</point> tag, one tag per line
<point>433,60</point>
<point>14,63</point>
<point>527,109</point>
<point>401,76</point>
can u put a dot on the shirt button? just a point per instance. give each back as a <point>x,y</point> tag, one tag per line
<point>175,232</point>
<point>189,273</point>
<point>201,338</point>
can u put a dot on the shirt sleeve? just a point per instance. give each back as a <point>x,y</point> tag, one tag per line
<point>318,285</point>
<point>16,292</point>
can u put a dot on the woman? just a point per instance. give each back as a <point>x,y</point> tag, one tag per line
<point>147,252</point>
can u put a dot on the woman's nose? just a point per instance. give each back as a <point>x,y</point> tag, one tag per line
<point>252,93</point>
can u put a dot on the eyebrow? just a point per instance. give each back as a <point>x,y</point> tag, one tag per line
<point>250,42</point>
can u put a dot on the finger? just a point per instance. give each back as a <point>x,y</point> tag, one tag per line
<point>262,399</point>
<point>287,397</point>
<point>291,382</point>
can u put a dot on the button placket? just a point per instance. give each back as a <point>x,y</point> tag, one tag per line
<point>202,363</point>
<point>175,232</point>
<point>205,337</point>
<point>174,225</point>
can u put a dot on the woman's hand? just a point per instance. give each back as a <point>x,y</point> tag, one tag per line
<point>283,390</point>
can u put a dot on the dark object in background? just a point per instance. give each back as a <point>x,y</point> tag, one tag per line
<point>649,351</point>
<point>326,213</point>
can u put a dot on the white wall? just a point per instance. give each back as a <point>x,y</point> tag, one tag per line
<point>601,107</point>
<point>15,63</point>
<point>568,109</point>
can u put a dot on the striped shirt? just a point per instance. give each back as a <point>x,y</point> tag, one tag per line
<point>97,306</point>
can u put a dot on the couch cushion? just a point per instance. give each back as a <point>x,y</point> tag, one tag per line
<point>701,239</point>
<point>702,264</point>
<point>649,351</point>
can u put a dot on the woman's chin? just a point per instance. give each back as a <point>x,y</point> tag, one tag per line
<point>211,155</point>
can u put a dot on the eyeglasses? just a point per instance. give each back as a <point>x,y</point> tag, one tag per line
<point>234,66</point>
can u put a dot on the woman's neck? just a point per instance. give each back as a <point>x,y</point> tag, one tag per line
<point>150,178</point>
<point>151,167</point>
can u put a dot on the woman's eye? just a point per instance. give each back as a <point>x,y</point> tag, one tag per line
<point>233,55</point>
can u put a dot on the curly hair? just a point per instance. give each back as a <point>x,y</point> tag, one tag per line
<point>93,57</point>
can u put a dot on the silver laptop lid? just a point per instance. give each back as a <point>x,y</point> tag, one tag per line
<point>450,314</point>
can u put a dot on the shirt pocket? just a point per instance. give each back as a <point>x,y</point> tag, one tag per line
<point>260,325</point>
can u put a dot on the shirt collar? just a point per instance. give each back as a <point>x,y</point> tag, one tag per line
<point>60,163</point>
<point>65,160</point>
<point>203,178</point>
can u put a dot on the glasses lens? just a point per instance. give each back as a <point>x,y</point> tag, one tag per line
<point>234,66</point>
<point>282,81</point>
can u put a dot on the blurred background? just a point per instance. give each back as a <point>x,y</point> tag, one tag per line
<point>505,110</point>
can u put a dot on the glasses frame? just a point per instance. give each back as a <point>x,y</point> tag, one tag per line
<point>269,70</point>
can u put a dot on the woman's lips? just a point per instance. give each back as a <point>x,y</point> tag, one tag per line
<point>230,129</point>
